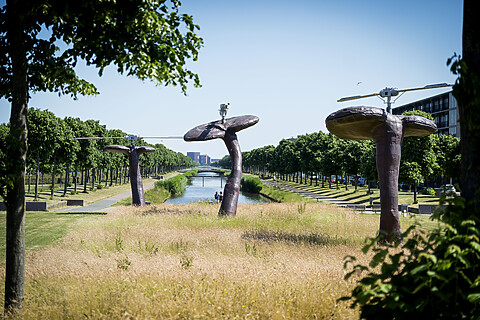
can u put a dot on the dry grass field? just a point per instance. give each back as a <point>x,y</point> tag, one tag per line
<point>271,261</point>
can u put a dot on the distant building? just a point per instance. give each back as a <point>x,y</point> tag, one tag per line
<point>443,108</point>
<point>214,160</point>
<point>204,159</point>
<point>195,156</point>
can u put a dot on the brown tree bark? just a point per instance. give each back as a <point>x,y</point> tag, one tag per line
<point>467,93</point>
<point>15,200</point>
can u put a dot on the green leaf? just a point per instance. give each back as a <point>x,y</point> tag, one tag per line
<point>419,269</point>
<point>474,297</point>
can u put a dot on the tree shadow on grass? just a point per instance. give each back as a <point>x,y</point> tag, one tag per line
<point>280,236</point>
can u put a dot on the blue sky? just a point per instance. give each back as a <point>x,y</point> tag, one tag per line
<point>287,62</point>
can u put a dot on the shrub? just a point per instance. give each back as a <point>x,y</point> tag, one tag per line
<point>433,276</point>
<point>429,192</point>
<point>176,185</point>
<point>251,184</point>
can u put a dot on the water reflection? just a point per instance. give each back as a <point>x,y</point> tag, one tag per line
<point>203,188</point>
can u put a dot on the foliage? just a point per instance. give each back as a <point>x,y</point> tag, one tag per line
<point>429,191</point>
<point>410,173</point>
<point>53,138</point>
<point>431,275</point>
<point>225,162</point>
<point>149,40</point>
<point>250,184</point>
<point>447,150</point>
<point>420,150</point>
<point>176,185</point>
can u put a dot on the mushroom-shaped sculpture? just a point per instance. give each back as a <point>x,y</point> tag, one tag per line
<point>226,130</point>
<point>138,196</point>
<point>388,130</point>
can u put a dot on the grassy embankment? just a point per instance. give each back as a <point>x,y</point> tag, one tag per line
<point>277,194</point>
<point>182,261</point>
<point>361,196</point>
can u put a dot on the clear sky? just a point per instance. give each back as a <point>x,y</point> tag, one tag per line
<point>287,62</point>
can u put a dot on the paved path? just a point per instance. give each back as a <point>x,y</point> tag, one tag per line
<point>314,195</point>
<point>102,206</point>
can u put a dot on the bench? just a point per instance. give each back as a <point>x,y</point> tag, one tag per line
<point>29,206</point>
<point>376,207</point>
<point>356,207</point>
<point>427,208</point>
<point>74,202</point>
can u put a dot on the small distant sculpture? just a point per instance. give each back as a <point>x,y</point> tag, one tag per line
<point>133,152</point>
<point>226,129</point>
<point>388,130</point>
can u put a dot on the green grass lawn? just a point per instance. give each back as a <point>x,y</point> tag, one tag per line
<point>41,229</point>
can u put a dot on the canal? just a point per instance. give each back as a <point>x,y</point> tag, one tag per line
<point>203,188</point>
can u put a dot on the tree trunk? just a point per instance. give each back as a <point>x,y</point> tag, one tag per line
<point>75,180</point>
<point>466,91</point>
<point>37,176</point>
<point>93,174</point>
<point>53,177</point>
<point>15,198</point>
<point>66,180</point>
<point>415,193</point>
<point>87,173</point>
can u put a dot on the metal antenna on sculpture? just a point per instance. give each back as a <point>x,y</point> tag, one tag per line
<point>388,93</point>
<point>131,138</point>
<point>223,110</point>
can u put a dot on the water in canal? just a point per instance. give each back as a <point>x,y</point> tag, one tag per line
<point>203,188</point>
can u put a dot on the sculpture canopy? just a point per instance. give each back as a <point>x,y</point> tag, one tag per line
<point>217,129</point>
<point>124,149</point>
<point>360,123</point>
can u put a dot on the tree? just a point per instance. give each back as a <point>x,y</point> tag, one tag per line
<point>284,157</point>
<point>368,164</point>
<point>419,150</point>
<point>330,161</point>
<point>41,143</point>
<point>149,40</point>
<point>410,172</point>
<point>448,156</point>
<point>354,150</point>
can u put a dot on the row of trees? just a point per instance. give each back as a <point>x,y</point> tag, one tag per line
<point>318,153</point>
<point>53,149</point>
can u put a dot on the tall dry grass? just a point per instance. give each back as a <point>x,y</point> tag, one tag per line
<point>271,261</point>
